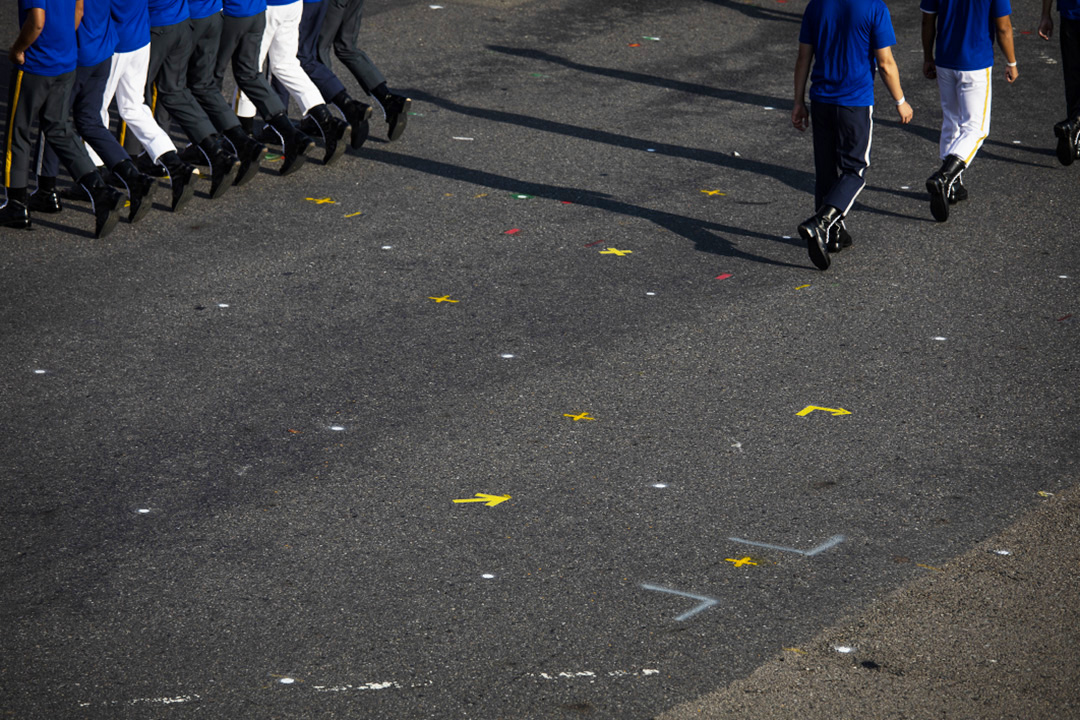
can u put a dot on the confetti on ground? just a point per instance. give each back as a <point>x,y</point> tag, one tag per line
<point>598,242</point>
<point>480,195</point>
<point>928,567</point>
<point>436,7</point>
<point>650,37</point>
<point>272,157</point>
<point>349,215</point>
<point>463,138</point>
<point>538,75</point>
<point>444,298</point>
<point>710,193</point>
<point>416,114</point>
<point>579,416</point>
<point>322,201</point>
<point>1063,318</point>
<point>521,196</point>
<point>800,287</point>
<point>512,231</point>
<point>616,251</point>
<point>795,650</point>
<point>769,107</point>
<point>566,202</point>
<point>1045,493</point>
<point>723,276</point>
<point>295,432</point>
<point>650,150</point>
<point>635,44</point>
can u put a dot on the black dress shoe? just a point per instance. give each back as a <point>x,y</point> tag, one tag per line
<point>180,178</point>
<point>140,189</point>
<point>815,231</point>
<point>839,239</point>
<point>940,185</point>
<point>106,203</point>
<point>15,214</point>
<point>45,201</point>
<point>294,146</point>
<point>358,115</point>
<point>1068,147</point>
<point>958,193</point>
<point>224,166</point>
<point>146,165</point>
<point>330,129</point>
<point>192,155</point>
<point>396,111</point>
<point>251,153</point>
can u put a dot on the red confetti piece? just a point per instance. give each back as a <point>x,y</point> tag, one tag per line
<point>1062,319</point>
<point>598,242</point>
<point>513,231</point>
<point>725,276</point>
<point>635,45</point>
<point>1025,32</point>
<point>294,432</point>
<point>566,202</point>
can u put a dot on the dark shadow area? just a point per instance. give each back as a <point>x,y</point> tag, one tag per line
<point>631,76</point>
<point>757,13</point>
<point>703,234</point>
<point>933,135</point>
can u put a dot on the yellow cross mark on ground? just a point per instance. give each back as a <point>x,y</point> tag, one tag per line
<point>582,416</point>
<point>740,563</point>
<point>444,298</point>
<point>710,193</point>
<point>615,251</point>
<point>322,201</point>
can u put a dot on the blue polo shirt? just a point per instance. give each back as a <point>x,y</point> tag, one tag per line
<point>845,35</point>
<point>132,21</point>
<point>203,8</point>
<point>167,12</point>
<point>53,53</point>
<point>1069,9</point>
<point>96,34</point>
<point>243,8</point>
<point>965,31</point>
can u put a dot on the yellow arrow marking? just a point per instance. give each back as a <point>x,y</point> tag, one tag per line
<point>582,416</point>
<point>489,500</point>
<point>615,251</point>
<point>355,214</point>
<point>710,193</point>
<point>444,298</point>
<point>811,408</point>
<point>739,563</point>
<point>322,201</point>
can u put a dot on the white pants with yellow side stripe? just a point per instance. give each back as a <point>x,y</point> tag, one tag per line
<point>965,109</point>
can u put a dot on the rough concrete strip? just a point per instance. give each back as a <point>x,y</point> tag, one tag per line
<point>987,636</point>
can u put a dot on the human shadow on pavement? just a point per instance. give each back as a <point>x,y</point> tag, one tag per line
<point>631,76</point>
<point>758,13</point>
<point>797,179</point>
<point>705,235</point>
<point>933,135</point>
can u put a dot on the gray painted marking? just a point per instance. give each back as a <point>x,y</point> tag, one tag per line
<point>706,602</point>
<point>831,542</point>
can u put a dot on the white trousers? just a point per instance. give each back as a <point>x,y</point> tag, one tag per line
<point>280,42</point>
<point>127,82</point>
<point>965,109</point>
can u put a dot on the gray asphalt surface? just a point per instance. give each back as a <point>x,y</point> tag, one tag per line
<point>186,534</point>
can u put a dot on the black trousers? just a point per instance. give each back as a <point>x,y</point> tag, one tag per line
<point>308,54</point>
<point>340,28</point>
<point>86,95</point>
<point>240,42</point>
<point>841,153</point>
<point>1070,63</point>
<point>166,79</point>
<point>48,100</point>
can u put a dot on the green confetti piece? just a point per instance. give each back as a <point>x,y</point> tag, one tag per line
<point>416,114</point>
<point>649,37</point>
<point>538,75</point>
<point>521,196</point>
<point>272,157</point>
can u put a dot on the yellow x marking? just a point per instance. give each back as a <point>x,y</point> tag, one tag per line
<point>444,298</point>
<point>322,201</point>
<point>740,563</point>
<point>710,193</point>
<point>582,416</point>
<point>616,251</point>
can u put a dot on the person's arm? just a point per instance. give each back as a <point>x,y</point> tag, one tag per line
<point>1005,40</point>
<point>800,117</point>
<point>929,34</point>
<point>78,13</point>
<point>891,75</point>
<point>31,29</point>
<point>1046,25</point>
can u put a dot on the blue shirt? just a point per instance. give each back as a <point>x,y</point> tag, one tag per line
<point>243,8</point>
<point>845,35</point>
<point>132,21</point>
<point>166,12</point>
<point>965,31</point>
<point>281,2</point>
<point>1069,9</point>
<point>53,53</point>
<point>203,8</point>
<point>96,34</point>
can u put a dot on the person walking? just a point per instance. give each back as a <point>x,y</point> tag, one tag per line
<point>44,58</point>
<point>844,41</point>
<point>958,50</point>
<point>1068,130</point>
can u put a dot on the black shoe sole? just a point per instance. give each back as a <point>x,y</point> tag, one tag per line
<point>398,121</point>
<point>361,129</point>
<point>186,189</point>
<point>104,227</point>
<point>295,157</point>
<point>1066,150</point>
<point>142,202</point>
<point>220,182</point>
<point>335,146</point>
<point>819,254</point>
<point>939,201</point>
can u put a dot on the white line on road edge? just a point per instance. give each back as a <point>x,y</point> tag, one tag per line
<point>367,687</point>
<point>145,701</point>
<point>592,676</point>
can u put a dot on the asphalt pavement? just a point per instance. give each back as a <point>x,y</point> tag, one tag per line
<point>235,436</point>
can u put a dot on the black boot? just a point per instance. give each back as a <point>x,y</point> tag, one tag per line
<point>15,213</point>
<point>140,189</point>
<point>223,165</point>
<point>395,109</point>
<point>180,178</point>
<point>249,150</point>
<point>146,165</point>
<point>320,122</point>
<point>815,231</point>
<point>45,199</point>
<point>839,239</point>
<point>104,201</point>
<point>958,193</point>
<point>357,114</point>
<point>294,143</point>
<point>1068,135</point>
<point>939,185</point>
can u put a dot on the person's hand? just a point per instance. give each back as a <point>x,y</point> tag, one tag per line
<point>1046,27</point>
<point>800,117</point>
<point>1011,73</point>
<point>929,69</point>
<point>16,58</point>
<point>905,112</point>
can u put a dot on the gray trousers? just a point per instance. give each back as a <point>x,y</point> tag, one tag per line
<point>241,39</point>
<point>202,66</point>
<point>166,79</point>
<point>340,28</point>
<point>47,100</point>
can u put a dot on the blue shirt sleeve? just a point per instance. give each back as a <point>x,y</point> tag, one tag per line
<point>882,35</point>
<point>806,31</point>
<point>1000,8</point>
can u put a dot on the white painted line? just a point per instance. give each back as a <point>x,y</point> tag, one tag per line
<point>831,542</point>
<point>593,676</point>
<point>371,686</point>
<point>706,602</point>
<point>145,701</point>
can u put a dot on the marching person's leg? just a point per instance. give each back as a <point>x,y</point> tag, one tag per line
<point>1068,130</point>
